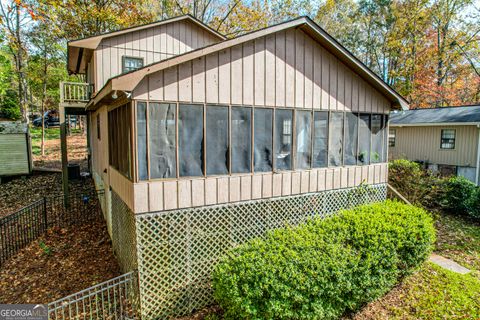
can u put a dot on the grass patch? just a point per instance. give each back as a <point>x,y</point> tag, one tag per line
<point>50,134</point>
<point>436,293</point>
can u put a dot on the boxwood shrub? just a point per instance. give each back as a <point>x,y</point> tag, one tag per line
<point>325,267</point>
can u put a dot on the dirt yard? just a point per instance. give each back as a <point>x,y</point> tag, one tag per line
<point>60,263</point>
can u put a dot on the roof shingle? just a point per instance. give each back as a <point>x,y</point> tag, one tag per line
<point>465,114</point>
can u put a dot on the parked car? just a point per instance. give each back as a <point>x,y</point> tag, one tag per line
<point>50,117</point>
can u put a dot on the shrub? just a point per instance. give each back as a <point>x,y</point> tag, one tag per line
<point>457,194</point>
<point>474,204</point>
<point>325,267</point>
<point>419,186</point>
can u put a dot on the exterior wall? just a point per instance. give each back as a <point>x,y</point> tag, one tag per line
<point>423,144</point>
<point>194,192</point>
<point>151,44</point>
<point>287,69</point>
<point>15,150</point>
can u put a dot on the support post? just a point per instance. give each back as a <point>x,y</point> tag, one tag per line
<point>89,145</point>
<point>63,142</point>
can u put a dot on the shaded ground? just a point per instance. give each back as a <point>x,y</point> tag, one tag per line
<point>58,264</point>
<point>76,144</point>
<point>431,292</point>
<point>21,191</point>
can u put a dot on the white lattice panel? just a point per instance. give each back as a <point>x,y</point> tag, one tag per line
<point>178,249</point>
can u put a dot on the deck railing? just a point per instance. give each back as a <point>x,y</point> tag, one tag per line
<point>79,92</point>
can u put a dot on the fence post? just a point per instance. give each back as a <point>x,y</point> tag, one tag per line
<point>45,212</point>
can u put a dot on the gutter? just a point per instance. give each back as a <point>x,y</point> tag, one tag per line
<point>443,124</point>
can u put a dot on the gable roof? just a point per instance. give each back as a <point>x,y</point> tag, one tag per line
<point>75,48</point>
<point>128,81</point>
<point>437,116</point>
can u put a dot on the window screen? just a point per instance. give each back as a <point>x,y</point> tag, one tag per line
<point>303,124</point>
<point>448,139</point>
<point>320,139</point>
<point>283,139</point>
<point>217,140</point>
<point>119,140</point>
<point>142,140</point>
<point>351,138</point>
<point>335,145</point>
<point>241,139</point>
<point>131,63</point>
<point>377,138</point>
<point>98,127</point>
<point>190,140</point>
<point>385,138</point>
<point>263,144</point>
<point>161,133</point>
<point>364,138</point>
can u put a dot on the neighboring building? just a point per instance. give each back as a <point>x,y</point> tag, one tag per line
<point>202,142</point>
<point>443,139</point>
<point>15,149</point>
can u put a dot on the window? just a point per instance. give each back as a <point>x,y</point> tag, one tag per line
<point>448,139</point>
<point>385,138</point>
<point>377,138</point>
<point>263,144</point>
<point>217,140</point>
<point>303,125</point>
<point>320,139</point>
<point>364,139</point>
<point>119,140</point>
<point>142,140</point>
<point>335,141</point>
<point>131,63</point>
<point>161,139</point>
<point>283,139</point>
<point>241,139</point>
<point>392,137</point>
<point>351,138</point>
<point>98,127</point>
<point>190,140</point>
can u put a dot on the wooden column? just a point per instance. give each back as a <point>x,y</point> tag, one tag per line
<point>63,143</point>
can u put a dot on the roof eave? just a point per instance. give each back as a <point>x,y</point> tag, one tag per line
<point>434,124</point>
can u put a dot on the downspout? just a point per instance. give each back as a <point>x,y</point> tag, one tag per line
<point>477,171</point>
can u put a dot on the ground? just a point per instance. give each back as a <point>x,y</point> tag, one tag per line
<point>60,263</point>
<point>431,292</point>
<point>76,143</point>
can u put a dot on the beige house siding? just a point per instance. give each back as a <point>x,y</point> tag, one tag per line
<point>152,44</point>
<point>14,154</point>
<point>284,69</point>
<point>423,144</point>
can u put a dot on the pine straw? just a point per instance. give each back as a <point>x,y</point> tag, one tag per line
<point>62,262</point>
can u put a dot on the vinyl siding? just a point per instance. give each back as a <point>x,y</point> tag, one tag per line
<point>423,144</point>
<point>14,154</point>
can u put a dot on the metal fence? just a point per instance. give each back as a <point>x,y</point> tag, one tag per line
<point>112,299</point>
<point>20,228</point>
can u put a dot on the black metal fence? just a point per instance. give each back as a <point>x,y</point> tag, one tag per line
<point>22,227</point>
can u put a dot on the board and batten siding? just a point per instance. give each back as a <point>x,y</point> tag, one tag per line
<point>152,44</point>
<point>285,69</point>
<point>422,143</point>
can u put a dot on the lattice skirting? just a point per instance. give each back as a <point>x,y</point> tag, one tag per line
<point>123,234</point>
<point>178,249</point>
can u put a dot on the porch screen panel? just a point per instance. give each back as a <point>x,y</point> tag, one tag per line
<point>241,140</point>
<point>303,125</point>
<point>385,139</point>
<point>161,139</point>
<point>335,145</point>
<point>190,140</point>
<point>320,139</point>
<point>283,139</point>
<point>377,138</point>
<point>142,140</point>
<point>217,140</point>
<point>119,140</point>
<point>351,138</point>
<point>263,140</point>
<point>364,137</point>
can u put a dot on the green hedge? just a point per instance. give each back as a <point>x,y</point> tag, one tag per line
<point>326,267</point>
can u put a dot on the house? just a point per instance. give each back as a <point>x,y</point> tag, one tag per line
<point>203,142</point>
<point>15,148</point>
<point>443,139</point>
